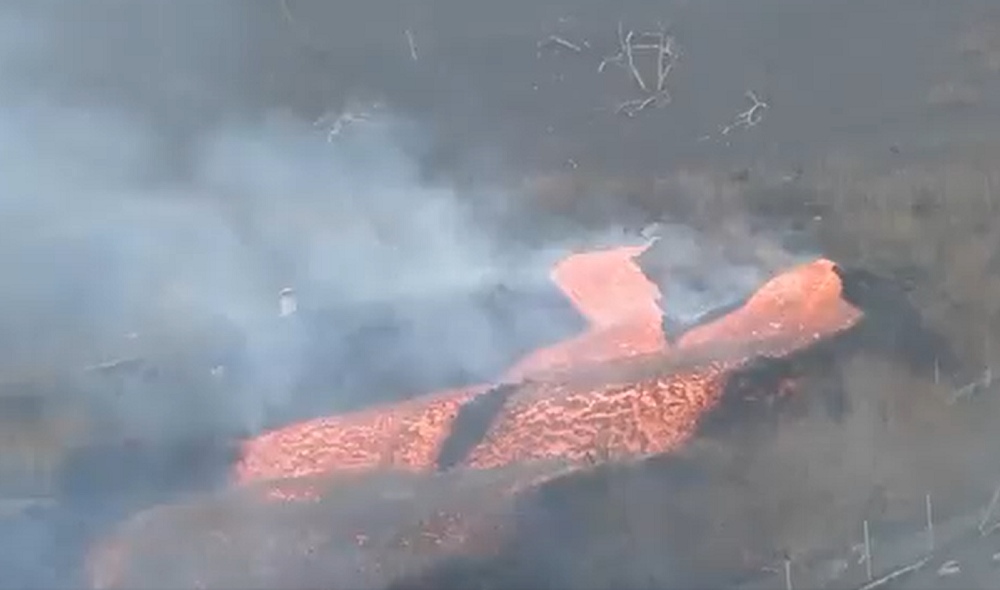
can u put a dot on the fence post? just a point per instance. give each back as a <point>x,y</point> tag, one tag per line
<point>930,526</point>
<point>988,513</point>
<point>868,552</point>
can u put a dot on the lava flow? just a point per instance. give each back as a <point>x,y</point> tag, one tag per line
<point>548,416</point>
<point>634,413</point>
<point>608,288</point>
<point>378,514</point>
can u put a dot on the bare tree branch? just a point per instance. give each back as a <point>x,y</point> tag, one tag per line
<point>631,62</point>
<point>666,56</point>
<point>750,117</point>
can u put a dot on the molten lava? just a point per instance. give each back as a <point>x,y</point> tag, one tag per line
<point>377,514</point>
<point>549,416</point>
<point>787,313</point>
<point>618,420</point>
<point>608,288</point>
<point>404,436</point>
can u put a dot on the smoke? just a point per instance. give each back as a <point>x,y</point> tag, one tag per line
<point>158,191</point>
<point>705,274</point>
<point>105,241</point>
<point>157,194</point>
<point>127,230</point>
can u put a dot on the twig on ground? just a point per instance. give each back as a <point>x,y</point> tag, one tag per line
<point>114,365</point>
<point>412,43</point>
<point>750,117</point>
<point>560,42</point>
<point>984,382</point>
<point>630,108</point>
<point>340,122</point>
<point>895,574</point>
<point>948,568</point>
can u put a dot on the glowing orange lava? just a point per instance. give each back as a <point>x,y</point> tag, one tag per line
<point>608,288</point>
<point>403,436</point>
<point>614,392</point>
<point>550,417</point>
<point>791,311</point>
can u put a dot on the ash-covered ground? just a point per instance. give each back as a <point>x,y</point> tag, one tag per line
<point>411,169</point>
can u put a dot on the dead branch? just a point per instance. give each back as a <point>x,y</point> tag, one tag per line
<point>750,117</point>
<point>990,529</point>
<point>948,568</point>
<point>895,574</point>
<point>630,108</point>
<point>631,62</point>
<point>983,383</point>
<point>412,43</point>
<point>115,365</point>
<point>660,55</point>
<point>335,127</point>
<point>666,57</point>
<point>614,59</point>
<point>555,40</point>
<point>618,58</point>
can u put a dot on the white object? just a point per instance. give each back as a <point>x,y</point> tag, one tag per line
<point>949,568</point>
<point>287,302</point>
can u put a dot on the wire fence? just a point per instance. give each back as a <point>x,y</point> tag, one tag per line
<point>936,551</point>
<point>930,549</point>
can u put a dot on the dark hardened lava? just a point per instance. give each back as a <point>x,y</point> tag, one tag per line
<point>471,425</point>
